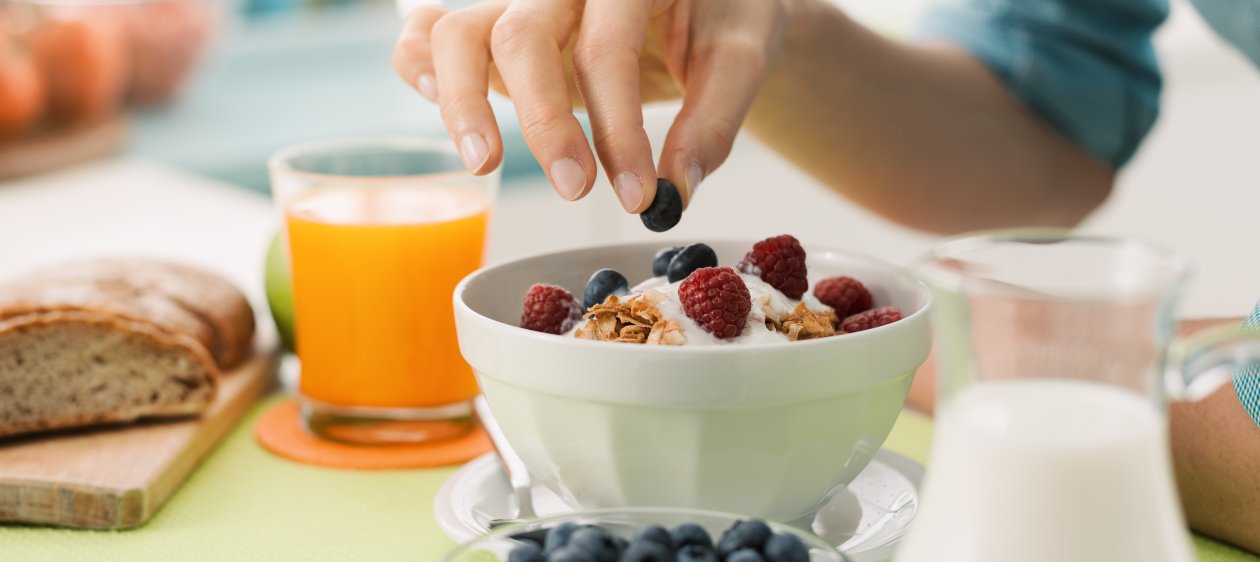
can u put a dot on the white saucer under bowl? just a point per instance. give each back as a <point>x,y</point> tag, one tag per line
<point>866,520</point>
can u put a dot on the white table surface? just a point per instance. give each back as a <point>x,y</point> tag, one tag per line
<point>133,207</point>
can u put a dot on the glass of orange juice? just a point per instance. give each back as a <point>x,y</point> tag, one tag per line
<point>379,232</point>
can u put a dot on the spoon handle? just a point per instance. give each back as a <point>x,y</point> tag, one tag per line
<point>518,475</point>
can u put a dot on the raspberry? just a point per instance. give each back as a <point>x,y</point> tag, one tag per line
<point>846,295</point>
<point>779,261</point>
<point>717,299</point>
<point>550,309</point>
<point>873,318</point>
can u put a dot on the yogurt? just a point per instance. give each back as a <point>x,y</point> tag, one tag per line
<point>765,299</point>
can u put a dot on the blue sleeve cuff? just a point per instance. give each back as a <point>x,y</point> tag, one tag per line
<point>1086,67</point>
<point>1247,379</point>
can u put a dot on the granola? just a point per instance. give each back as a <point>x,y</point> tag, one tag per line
<point>633,320</point>
<point>804,324</point>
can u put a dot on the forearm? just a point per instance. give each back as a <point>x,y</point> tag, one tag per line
<point>923,135</point>
<point>1216,454</point>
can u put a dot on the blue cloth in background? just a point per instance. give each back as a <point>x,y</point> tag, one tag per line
<point>1087,67</point>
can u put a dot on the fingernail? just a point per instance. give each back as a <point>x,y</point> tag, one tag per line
<point>427,86</point>
<point>629,189</point>
<point>695,174</point>
<point>474,150</point>
<point>568,177</point>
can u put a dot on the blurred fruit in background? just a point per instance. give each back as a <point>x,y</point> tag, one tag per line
<point>21,89</point>
<point>69,71</point>
<point>279,285</point>
<point>82,57</point>
<point>165,39</point>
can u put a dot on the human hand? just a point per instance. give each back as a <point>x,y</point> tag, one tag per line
<point>611,56</point>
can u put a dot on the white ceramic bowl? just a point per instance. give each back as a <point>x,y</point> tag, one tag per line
<point>769,430</point>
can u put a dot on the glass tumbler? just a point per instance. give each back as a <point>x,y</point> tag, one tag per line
<point>379,232</point>
<point>1053,374</point>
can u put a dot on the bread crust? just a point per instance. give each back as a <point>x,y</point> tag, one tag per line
<point>38,295</point>
<point>209,296</point>
<point>176,297</point>
<point>161,340</point>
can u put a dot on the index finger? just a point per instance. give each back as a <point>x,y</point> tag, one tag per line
<point>526,46</point>
<point>606,59</point>
<point>413,54</point>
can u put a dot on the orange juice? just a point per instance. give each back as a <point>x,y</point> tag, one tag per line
<point>373,275</point>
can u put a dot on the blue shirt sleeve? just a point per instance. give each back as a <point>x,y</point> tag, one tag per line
<point>1086,67</point>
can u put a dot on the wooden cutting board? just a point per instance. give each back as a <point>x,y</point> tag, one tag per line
<point>115,478</point>
<point>49,150</point>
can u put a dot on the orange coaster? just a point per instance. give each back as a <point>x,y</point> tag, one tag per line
<point>280,431</point>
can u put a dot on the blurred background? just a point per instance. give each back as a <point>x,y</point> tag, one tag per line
<point>212,88</point>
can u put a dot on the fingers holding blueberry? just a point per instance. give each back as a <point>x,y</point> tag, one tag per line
<point>666,208</point>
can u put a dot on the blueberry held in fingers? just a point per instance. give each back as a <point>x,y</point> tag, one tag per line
<point>603,283</point>
<point>666,209</point>
<point>689,259</point>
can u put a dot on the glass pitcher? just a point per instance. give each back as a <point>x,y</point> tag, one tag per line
<point>1053,372</point>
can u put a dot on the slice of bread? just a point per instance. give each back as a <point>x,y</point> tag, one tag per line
<point>65,369</point>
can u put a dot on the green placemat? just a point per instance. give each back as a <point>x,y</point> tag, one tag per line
<point>245,504</point>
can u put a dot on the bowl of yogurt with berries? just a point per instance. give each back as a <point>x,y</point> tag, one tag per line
<point>754,377</point>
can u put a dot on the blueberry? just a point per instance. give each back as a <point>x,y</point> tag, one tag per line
<point>600,545</point>
<point>751,534</point>
<point>570,554</point>
<point>786,548</point>
<point>745,555</point>
<point>656,534</point>
<point>690,533</point>
<point>527,552</point>
<point>603,283</point>
<point>696,553</point>
<point>647,551</point>
<point>666,209</point>
<point>689,259</point>
<point>558,536</point>
<point>660,262</point>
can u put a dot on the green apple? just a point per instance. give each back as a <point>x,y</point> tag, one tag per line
<point>279,286</point>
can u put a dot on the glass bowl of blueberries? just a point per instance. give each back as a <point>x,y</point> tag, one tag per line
<point>647,535</point>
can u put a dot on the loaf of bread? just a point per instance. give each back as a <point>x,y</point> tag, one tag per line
<point>115,340</point>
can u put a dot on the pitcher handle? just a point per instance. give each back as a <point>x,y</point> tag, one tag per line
<point>1195,362</point>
